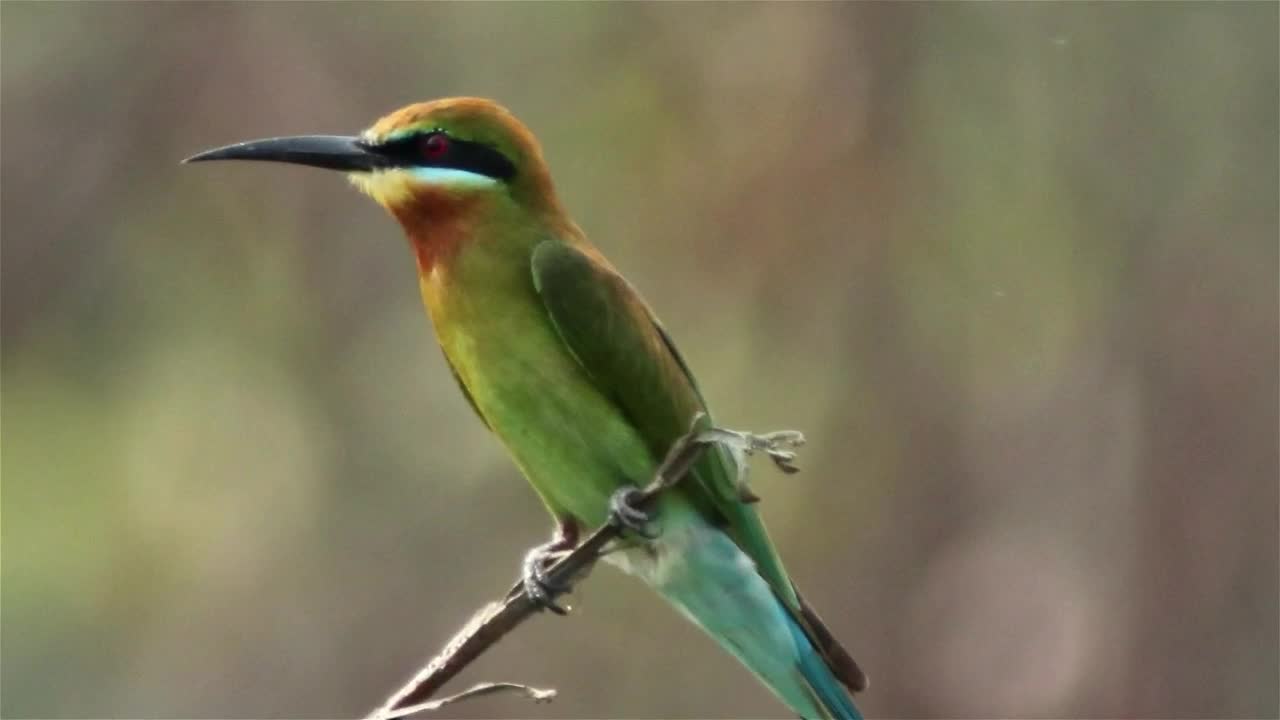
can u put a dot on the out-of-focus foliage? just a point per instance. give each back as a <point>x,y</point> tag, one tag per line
<point>1013,268</point>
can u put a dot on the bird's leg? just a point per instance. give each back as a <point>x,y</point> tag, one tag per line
<point>623,512</point>
<point>779,445</point>
<point>533,571</point>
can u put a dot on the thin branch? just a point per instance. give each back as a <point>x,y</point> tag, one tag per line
<point>497,619</point>
<point>535,694</point>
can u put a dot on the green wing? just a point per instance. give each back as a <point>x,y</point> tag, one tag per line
<point>621,346</point>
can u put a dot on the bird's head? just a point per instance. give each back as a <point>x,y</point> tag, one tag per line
<point>426,160</point>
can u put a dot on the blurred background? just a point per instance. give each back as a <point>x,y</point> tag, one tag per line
<point>1012,267</point>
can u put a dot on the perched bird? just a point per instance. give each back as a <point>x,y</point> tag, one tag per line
<point>566,364</point>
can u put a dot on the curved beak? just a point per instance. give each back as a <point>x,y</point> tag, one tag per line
<point>332,152</point>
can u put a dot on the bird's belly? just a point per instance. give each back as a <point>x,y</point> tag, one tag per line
<point>570,441</point>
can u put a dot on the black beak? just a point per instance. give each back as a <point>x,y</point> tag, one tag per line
<point>333,152</point>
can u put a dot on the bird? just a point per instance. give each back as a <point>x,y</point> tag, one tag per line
<point>561,358</point>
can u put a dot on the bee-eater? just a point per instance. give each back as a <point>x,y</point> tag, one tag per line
<point>565,363</point>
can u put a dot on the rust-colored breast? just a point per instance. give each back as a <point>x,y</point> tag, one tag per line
<point>437,222</point>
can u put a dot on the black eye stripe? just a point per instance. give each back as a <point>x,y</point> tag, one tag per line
<point>406,152</point>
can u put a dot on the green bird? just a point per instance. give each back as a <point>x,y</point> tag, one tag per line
<point>566,364</point>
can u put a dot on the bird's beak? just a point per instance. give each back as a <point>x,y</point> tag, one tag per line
<point>333,152</point>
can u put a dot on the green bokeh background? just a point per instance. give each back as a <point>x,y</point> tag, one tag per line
<point>1012,267</point>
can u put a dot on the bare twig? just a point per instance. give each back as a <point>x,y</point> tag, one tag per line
<point>535,694</point>
<point>496,619</point>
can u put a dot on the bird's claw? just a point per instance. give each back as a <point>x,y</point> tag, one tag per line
<point>623,512</point>
<point>538,586</point>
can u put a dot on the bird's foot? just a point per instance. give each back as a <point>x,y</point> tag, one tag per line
<point>538,586</point>
<point>623,512</point>
<point>780,446</point>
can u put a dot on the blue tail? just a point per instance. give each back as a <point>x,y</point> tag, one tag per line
<point>701,571</point>
<point>829,691</point>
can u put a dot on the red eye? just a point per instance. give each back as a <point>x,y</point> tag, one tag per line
<point>434,146</point>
